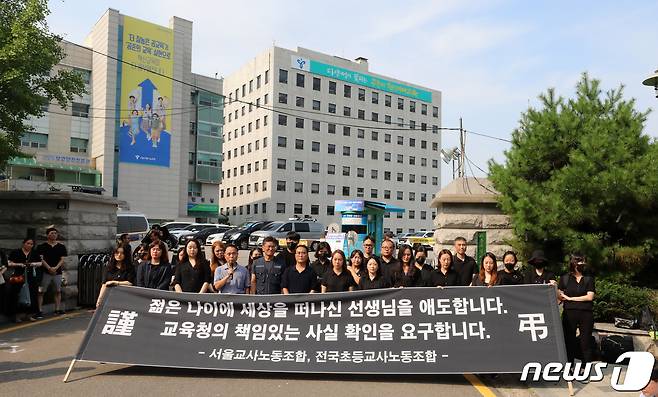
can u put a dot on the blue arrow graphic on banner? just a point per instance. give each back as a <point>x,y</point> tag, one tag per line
<point>147,93</point>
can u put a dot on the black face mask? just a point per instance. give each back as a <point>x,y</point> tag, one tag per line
<point>420,261</point>
<point>292,245</point>
<point>510,266</point>
<point>580,268</point>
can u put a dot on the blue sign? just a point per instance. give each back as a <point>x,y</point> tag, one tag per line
<point>349,205</point>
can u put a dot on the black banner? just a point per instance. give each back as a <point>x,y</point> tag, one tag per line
<point>395,331</point>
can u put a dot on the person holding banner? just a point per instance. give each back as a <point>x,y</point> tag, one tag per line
<point>193,272</point>
<point>357,266</point>
<point>509,275</point>
<point>374,279</point>
<point>407,276</point>
<point>118,271</point>
<point>445,276</point>
<point>423,268</point>
<point>338,279</point>
<point>488,276</point>
<point>576,292</point>
<point>266,278</point>
<point>231,278</point>
<point>299,278</point>
<point>155,272</point>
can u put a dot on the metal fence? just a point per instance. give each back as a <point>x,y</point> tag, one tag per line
<point>90,277</point>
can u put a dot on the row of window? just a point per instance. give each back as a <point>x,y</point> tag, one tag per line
<point>361,93</point>
<point>261,79</point>
<point>245,169</point>
<point>247,108</point>
<point>282,142</point>
<point>249,147</point>
<point>227,211</point>
<point>282,164</point>
<point>331,127</point>
<point>246,128</point>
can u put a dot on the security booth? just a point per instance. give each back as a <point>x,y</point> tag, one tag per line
<point>360,218</point>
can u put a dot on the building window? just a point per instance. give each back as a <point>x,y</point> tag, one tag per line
<point>387,175</point>
<point>266,99</point>
<point>79,145</point>
<point>299,187</point>
<point>346,170</point>
<point>79,110</point>
<point>412,142</point>
<point>299,165</point>
<point>423,179</point>
<point>330,210</point>
<point>435,180</point>
<point>331,190</point>
<point>283,119</point>
<point>423,215</point>
<point>435,111</point>
<point>299,122</point>
<point>281,164</point>
<point>360,172</point>
<point>299,144</point>
<point>359,192</point>
<point>400,159</point>
<point>362,94</point>
<point>264,164</point>
<point>360,133</point>
<point>299,102</point>
<point>316,84</point>
<point>400,195</point>
<point>375,97</point>
<point>375,136</point>
<point>347,111</point>
<point>300,80</point>
<point>331,148</point>
<point>280,208</point>
<point>283,76</point>
<point>374,155</point>
<point>387,194</point>
<point>316,105</point>
<point>387,156</point>
<point>346,131</point>
<point>331,169</point>
<point>346,190</point>
<point>361,115</point>
<point>315,125</point>
<point>34,140</point>
<point>332,108</point>
<point>423,109</point>
<point>282,141</point>
<point>265,142</point>
<point>412,214</point>
<point>360,153</point>
<point>387,101</point>
<point>400,177</point>
<point>331,128</point>
<point>264,120</point>
<point>412,196</point>
<point>315,188</point>
<point>315,209</point>
<point>332,87</point>
<point>423,197</point>
<point>264,184</point>
<point>412,178</point>
<point>401,103</point>
<point>347,91</point>
<point>346,150</point>
<point>400,140</point>
<point>435,146</point>
<point>374,174</point>
<point>315,146</point>
<point>387,119</point>
<point>280,186</point>
<point>373,193</point>
<point>435,163</point>
<point>315,167</point>
<point>412,160</point>
<point>283,98</point>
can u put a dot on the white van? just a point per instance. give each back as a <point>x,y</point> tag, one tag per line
<point>134,224</point>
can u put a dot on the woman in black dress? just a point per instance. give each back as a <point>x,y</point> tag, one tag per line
<point>576,292</point>
<point>193,272</point>
<point>155,272</point>
<point>488,276</point>
<point>338,278</point>
<point>357,266</point>
<point>374,279</point>
<point>22,263</point>
<point>445,275</point>
<point>408,275</point>
<point>118,271</point>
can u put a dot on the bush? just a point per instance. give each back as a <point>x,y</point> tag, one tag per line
<point>618,300</point>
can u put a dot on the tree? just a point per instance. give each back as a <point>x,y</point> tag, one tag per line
<point>581,176</point>
<point>28,53</point>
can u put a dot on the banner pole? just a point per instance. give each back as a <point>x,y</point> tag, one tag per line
<point>66,377</point>
<point>570,386</point>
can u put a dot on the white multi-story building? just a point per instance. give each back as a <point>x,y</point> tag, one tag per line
<point>303,129</point>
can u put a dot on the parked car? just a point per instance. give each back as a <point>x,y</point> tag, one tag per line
<point>202,234</point>
<point>214,237</point>
<point>310,232</point>
<point>134,224</point>
<point>191,229</point>
<point>171,226</point>
<point>240,235</point>
<point>423,238</point>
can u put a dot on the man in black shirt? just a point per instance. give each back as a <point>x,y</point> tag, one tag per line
<point>288,253</point>
<point>369,247</point>
<point>390,264</point>
<point>53,256</point>
<point>463,264</point>
<point>299,278</point>
<point>537,274</point>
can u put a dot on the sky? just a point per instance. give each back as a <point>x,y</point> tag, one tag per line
<point>490,59</point>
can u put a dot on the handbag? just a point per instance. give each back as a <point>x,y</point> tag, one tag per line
<point>24,296</point>
<point>17,279</point>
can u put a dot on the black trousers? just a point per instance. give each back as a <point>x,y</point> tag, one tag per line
<point>583,320</point>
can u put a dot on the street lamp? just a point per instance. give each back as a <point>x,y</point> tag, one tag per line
<point>652,81</point>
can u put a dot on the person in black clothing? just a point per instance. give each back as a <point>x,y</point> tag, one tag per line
<point>369,247</point>
<point>463,264</point>
<point>254,254</point>
<point>509,275</point>
<point>424,269</point>
<point>118,271</point>
<point>389,264</point>
<point>267,270</point>
<point>488,276</point>
<point>408,275</point>
<point>23,262</point>
<point>374,279</point>
<point>445,276</point>
<point>357,266</point>
<point>338,278</point>
<point>193,272</point>
<point>288,253</point>
<point>53,255</point>
<point>299,278</point>
<point>576,292</point>
<point>155,272</point>
<point>537,274</point>
<point>323,263</point>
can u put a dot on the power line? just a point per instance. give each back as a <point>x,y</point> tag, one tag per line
<point>273,109</point>
<point>474,177</point>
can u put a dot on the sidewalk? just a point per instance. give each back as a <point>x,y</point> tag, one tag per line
<point>509,385</point>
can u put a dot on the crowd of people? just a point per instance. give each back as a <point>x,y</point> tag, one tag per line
<point>291,271</point>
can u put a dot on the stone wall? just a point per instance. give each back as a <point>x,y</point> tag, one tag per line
<point>465,219</point>
<point>87,223</point>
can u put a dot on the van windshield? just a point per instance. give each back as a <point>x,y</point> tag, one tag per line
<point>271,226</point>
<point>131,224</point>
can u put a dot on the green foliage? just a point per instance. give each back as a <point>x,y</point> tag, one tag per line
<point>28,53</point>
<point>614,299</point>
<point>581,176</point>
